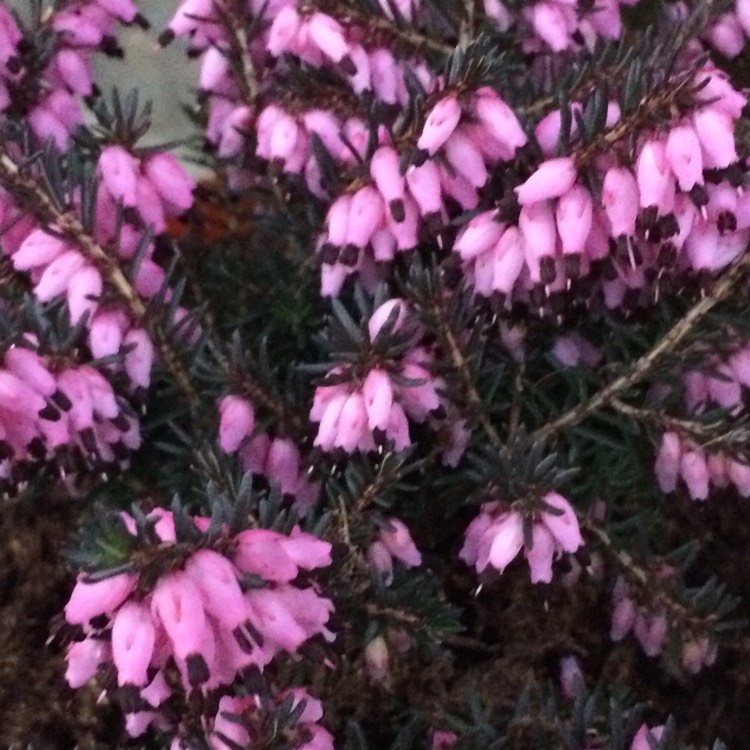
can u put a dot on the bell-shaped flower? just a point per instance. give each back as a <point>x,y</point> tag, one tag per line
<point>177,604</point>
<point>653,174</point>
<point>498,118</point>
<point>397,540</point>
<point>366,214</point>
<point>564,525</point>
<point>552,179</point>
<point>262,552</point>
<point>56,277</point>
<point>440,124</point>
<point>89,600</point>
<point>478,235</point>
<point>394,310</point>
<point>573,216</point>
<point>216,579</point>
<point>541,553</point>
<point>683,152</point>
<point>38,249</point>
<point>31,369</point>
<point>694,471</point>
<point>464,156</point>
<point>378,395</point>
<point>386,172</point>
<point>352,423</point>
<point>133,640</point>
<point>424,186</point>
<point>715,131</point>
<point>140,358</point>
<point>173,184</point>
<point>621,200</point>
<point>84,290</point>
<point>282,464</point>
<point>668,460</point>
<point>120,173</point>
<point>237,422</point>
<point>83,659</point>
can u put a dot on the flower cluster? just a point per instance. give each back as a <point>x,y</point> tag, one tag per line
<point>496,536</point>
<point>44,69</point>
<point>676,202</point>
<point>560,25</point>
<point>203,622</point>
<point>681,456</point>
<point>55,409</point>
<point>239,722</point>
<point>394,542</point>
<point>373,403</point>
<point>650,624</point>
<point>278,458</point>
<point>730,32</point>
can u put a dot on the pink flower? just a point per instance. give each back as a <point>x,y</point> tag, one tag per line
<point>394,310</point>
<point>120,174</point>
<point>621,200</point>
<point>552,179</point>
<point>498,119</point>
<point>177,604</point>
<point>173,184</point>
<point>237,422</point>
<point>562,526</point>
<point>574,216</point>
<point>479,235</point>
<point>668,462</point>
<point>88,600</point>
<point>424,187</point>
<point>84,658</point>
<point>386,172</point>
<point>694,471</point>
<point>378,395</point>
<point>645,738</point>
<point>440,124</point>
<point>683,153</point>
<point>653,175</point>
<point>466,158</point>
<point>133,640</point>
<point>541,553</point>
<point>397,540</point>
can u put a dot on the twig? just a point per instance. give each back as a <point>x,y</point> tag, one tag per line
<point>235,26</point>
<point>467,23</point>
<point>462,367</point>
<point>641,368</point>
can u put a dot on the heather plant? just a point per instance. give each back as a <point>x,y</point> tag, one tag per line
<point>411,423</point>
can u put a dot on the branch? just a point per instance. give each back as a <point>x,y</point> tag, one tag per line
<point>643,366</point>
<point>467,23</point>
<point>233,13</point>
<point>462,367</point>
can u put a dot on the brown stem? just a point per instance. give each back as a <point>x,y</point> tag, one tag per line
<point>462,367</point>
<point>643,366</point>
<point>235,26</point>
<point>468,23</point>
<point>707,434</point>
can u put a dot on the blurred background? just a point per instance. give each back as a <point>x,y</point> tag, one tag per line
<point>165,76</point>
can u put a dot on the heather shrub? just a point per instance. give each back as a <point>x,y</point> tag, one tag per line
<point>409,409</point>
